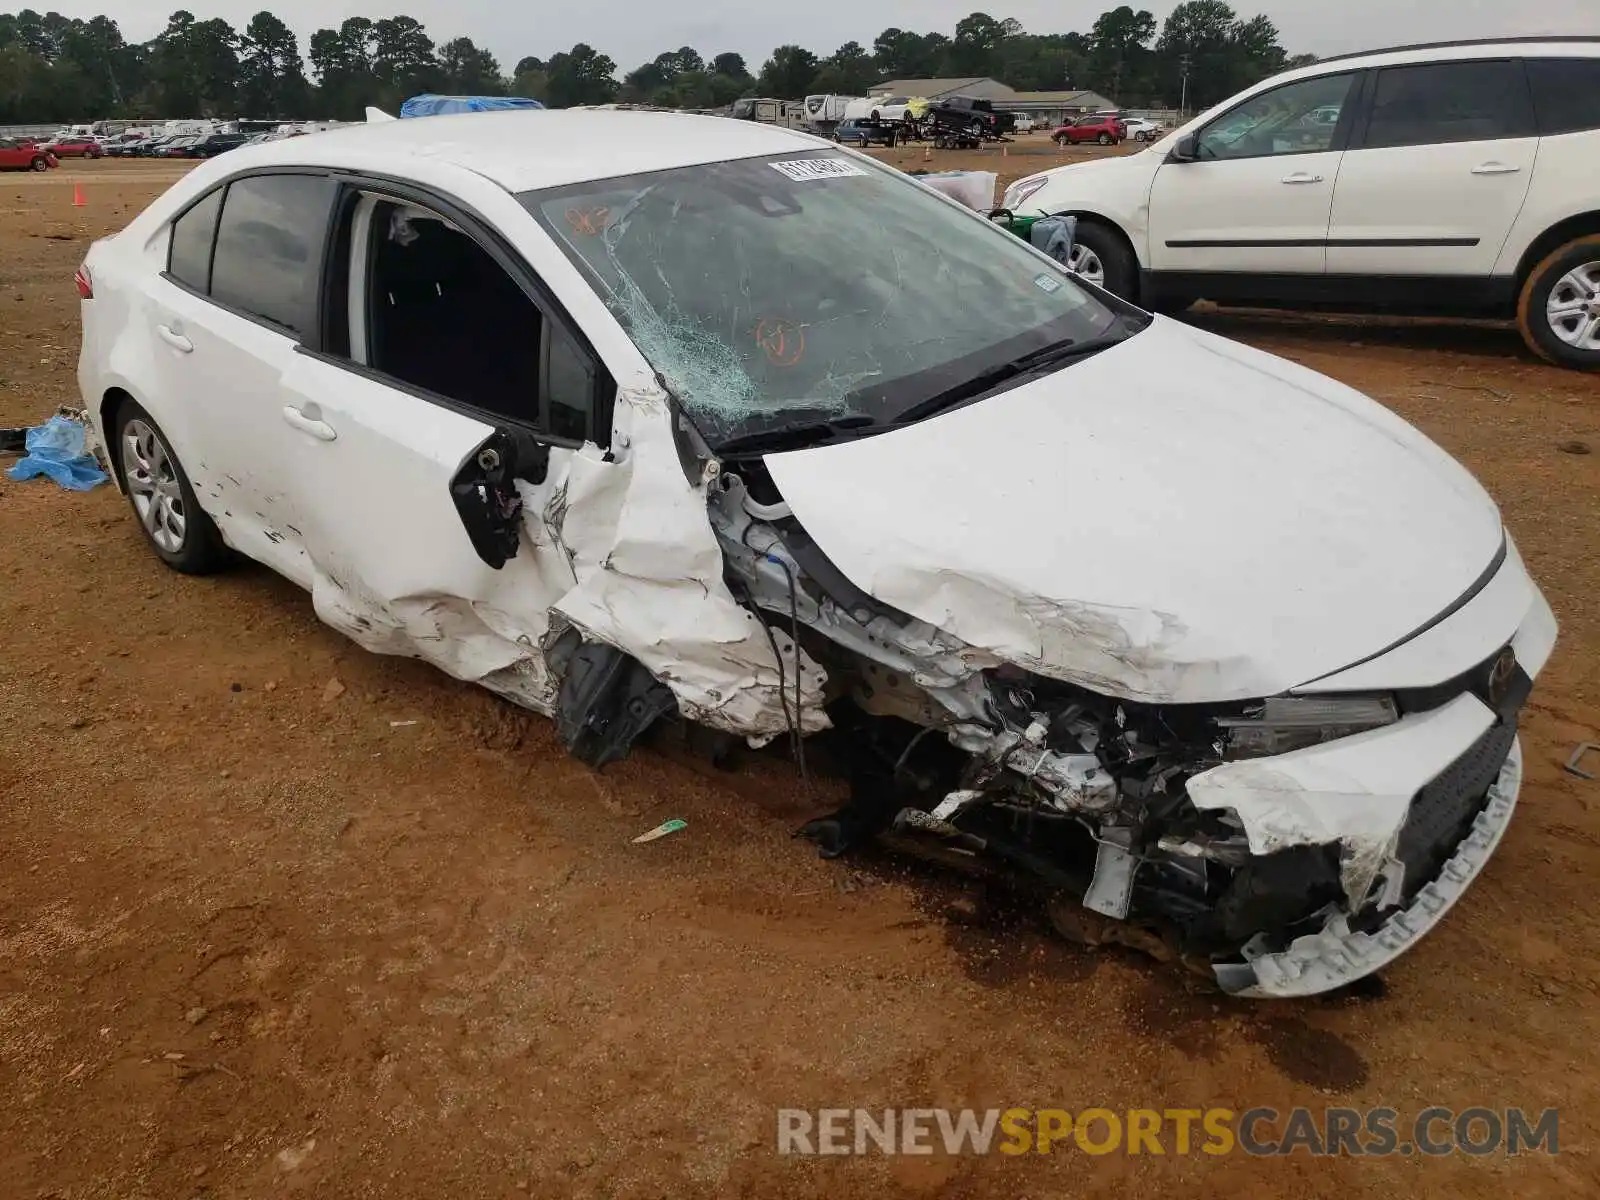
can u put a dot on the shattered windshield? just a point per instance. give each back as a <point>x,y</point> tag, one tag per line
<point>793,290</point>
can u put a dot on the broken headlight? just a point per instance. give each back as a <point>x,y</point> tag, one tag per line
<point>1283,723</point>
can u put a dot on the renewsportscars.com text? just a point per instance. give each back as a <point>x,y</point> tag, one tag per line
<point>1330,1132</point>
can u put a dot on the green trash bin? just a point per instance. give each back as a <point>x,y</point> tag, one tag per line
<point>1022,226</point>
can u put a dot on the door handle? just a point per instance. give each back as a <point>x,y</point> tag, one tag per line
<point>309,422</point>
<point>1302,177</point>
<point>175,339</point>
<point>1495,168</point>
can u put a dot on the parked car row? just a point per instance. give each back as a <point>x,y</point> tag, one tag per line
<point>129,144</point>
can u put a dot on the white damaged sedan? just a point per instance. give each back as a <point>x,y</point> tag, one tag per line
<point>636,417</point>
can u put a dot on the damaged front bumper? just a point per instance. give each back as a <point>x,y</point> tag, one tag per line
<point>1339,955</point>
<point>1181,828</point>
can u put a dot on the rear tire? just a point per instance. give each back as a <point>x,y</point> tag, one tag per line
<point>1104,139</point>
<point>1060,140</point>
<point>1558,310</point>
<point>173,523</point>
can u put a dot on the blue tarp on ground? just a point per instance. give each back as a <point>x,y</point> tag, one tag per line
<point>57,449</point>
<point>433,106</point>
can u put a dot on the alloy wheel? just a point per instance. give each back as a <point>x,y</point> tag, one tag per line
<point>152,482</point>
<point>1573,308</point>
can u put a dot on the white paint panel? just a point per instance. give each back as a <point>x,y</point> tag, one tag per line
<point>1458,643</point>
<point>1178,518</point>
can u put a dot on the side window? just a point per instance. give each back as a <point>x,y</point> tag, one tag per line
<point>1298,118</point>
<point>268,259</point>
<point>1566,93</point>
<point>189,255</point>
<point>443,315</point>
<point>1434,103</point>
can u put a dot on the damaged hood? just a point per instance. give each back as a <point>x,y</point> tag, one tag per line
<point>1178,518</point>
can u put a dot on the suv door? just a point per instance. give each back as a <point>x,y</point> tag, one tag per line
<point>239,295</point>
<point>1437,171</point>
<point>438,433</point>
<point>1256,195</point>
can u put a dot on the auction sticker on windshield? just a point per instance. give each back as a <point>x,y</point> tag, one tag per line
<point>803,170</point>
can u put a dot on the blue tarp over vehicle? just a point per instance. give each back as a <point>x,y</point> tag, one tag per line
<point>433,106</point>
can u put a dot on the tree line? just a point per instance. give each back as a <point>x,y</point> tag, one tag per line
<point>57,68</point>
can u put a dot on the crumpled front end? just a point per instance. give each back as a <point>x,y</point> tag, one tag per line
<point>1285,846</point>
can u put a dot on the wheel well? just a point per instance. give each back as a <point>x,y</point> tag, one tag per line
<point>1582,225</point>
<point>113,400</point>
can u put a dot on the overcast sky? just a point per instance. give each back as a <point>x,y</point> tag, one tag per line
<point>633,31</point>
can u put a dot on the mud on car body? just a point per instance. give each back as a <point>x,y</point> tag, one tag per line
<point>728,424</point>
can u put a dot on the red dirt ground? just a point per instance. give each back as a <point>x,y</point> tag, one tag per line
<point>256,939</point>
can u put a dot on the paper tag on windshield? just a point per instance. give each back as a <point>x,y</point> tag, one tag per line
<point>805,170</point>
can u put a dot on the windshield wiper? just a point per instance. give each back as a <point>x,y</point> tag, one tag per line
<point>793,437</point>
<point>1028,364</point>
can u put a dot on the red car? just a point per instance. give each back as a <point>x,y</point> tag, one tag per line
<point>75,147</point>
<point>23,155</point>
<point>1094,128</point>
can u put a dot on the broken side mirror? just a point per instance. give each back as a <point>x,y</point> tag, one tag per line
<point>1187,150</point>
<point>485,491</point>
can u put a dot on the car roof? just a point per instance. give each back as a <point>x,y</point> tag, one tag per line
<point>1531,47</point>
<point>1537,46</point>
<point>528,149</point>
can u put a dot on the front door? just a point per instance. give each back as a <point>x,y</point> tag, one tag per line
<point>434,454</point>
<point>1433,183</point>
<point>1257,195</point>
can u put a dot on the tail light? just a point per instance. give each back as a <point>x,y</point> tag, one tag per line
<point>85,282</point>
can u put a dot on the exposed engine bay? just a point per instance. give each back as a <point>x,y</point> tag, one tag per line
<point>976,763</point>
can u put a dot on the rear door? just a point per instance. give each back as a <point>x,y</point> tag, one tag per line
<point>238,299</point>
<point>1437,172</point>
<point>1256,197</point>
<point>13,155</point>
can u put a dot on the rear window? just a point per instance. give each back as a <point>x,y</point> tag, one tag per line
<point>189,257</point>
<point>1566,93</point>
<point>268,259</point>
<point>1435,103</point>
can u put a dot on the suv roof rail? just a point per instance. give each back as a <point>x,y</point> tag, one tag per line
<point>1499,41</point>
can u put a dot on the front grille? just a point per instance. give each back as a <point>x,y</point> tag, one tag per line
<point>1443,811</point>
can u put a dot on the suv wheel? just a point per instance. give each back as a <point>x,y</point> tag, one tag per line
<point>1558,312</point>
<point>176,527</point>
<point>1101,257</point>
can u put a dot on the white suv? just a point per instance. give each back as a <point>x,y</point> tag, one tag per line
<point>1457,178</point>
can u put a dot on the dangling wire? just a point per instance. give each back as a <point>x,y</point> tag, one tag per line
<point>790,719</point>
<point>799,671</point>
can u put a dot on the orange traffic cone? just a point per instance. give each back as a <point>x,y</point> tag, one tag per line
<point>77,196</point>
